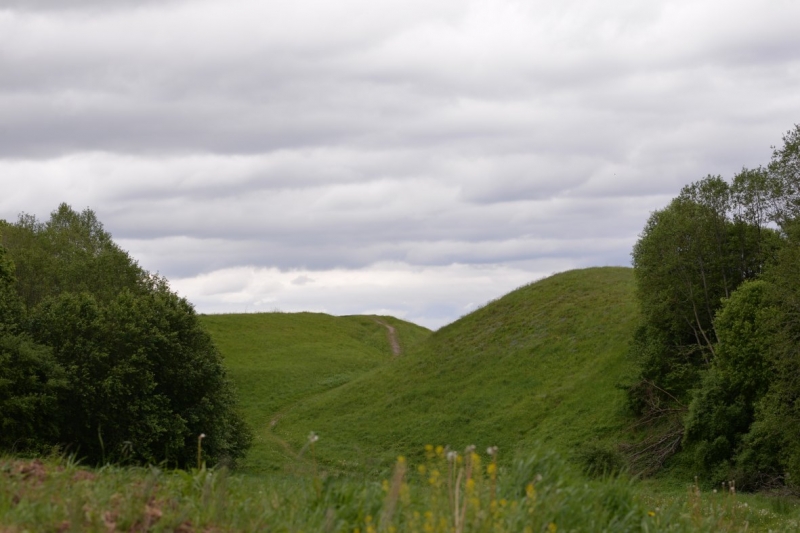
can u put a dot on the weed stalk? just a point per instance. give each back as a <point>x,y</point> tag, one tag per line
<point>200,450</point>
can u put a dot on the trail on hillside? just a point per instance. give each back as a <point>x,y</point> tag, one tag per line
<point>391,333</point>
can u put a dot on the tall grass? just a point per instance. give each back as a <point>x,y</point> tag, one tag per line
<point>448,491</point>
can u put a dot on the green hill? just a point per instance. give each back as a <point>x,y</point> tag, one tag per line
<point>278,359</point>
<point>537,365</point>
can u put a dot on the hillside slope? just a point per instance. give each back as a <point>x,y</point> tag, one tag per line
<point>278,359</point>
<point>539,364</point>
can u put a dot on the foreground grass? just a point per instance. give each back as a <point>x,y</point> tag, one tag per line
<point>441,494</point>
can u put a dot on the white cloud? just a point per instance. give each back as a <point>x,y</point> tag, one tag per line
<point>430,296</point>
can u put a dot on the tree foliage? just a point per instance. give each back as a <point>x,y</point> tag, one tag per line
<point>718,279</point>
<point>30,384</point>
<point>770,452</point>
<point>70,252</point>
<point>101,358</point>
<point>723,407</point>
<point>690,256</point>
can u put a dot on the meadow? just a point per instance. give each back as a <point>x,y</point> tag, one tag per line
<point>509,419</point>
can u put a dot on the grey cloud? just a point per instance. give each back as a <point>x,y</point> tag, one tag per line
<point>156,92</point>
<point>302,280</point>
<point>67,5</point>
<point>321,135</point>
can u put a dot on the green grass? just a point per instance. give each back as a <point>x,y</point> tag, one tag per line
<point>537,365</point>
<point>536,493</point>
<point>279,359</point>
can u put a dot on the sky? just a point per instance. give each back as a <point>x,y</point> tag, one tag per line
<point>409,158</point>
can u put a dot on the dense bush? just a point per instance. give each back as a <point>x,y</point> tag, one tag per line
<point>770,453</point>
<point>100,358</point>
<point>723,407</point>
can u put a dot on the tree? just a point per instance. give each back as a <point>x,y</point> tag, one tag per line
<point>102,357</point>
<point>785,170</point>
<point>71,252</point>
<point>690,256</point>
<point>682,272</point>
<point>144,379</point>
<point>717,276</point>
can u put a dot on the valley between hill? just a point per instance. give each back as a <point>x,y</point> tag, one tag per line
<point>538,365</point>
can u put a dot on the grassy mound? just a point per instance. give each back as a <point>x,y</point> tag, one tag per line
<point>278,359</point>
<point>537,365</point>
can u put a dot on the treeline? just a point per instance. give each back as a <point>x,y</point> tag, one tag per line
<point>718,280</point>
<point>99,358</point>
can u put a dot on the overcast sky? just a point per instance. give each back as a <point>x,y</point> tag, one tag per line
<point>414,158</point>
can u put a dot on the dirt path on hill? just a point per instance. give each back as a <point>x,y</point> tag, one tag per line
<point>391,334</point>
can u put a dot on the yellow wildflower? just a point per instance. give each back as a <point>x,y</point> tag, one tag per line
<point>470,485</point>
<point>476,459</point>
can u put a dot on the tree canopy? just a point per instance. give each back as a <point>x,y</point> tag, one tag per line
<point>99,357</point>
<point>718,280</point>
